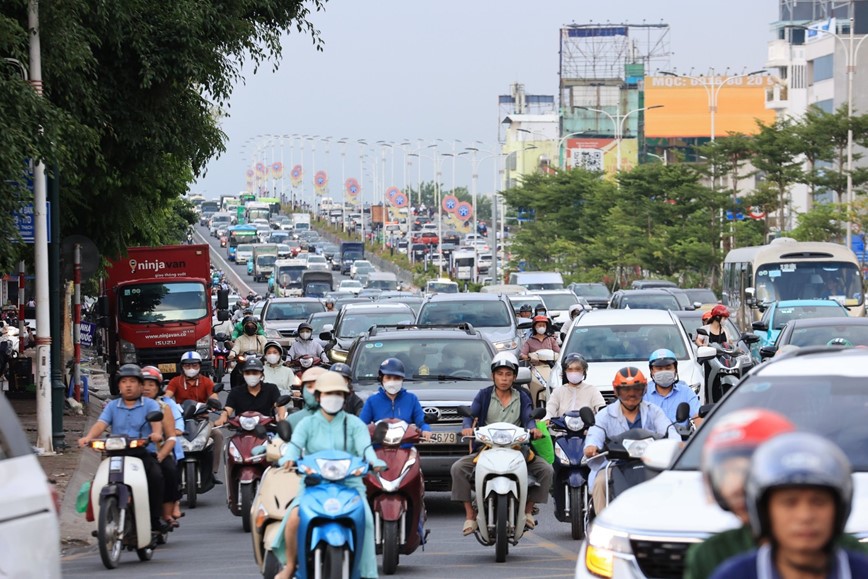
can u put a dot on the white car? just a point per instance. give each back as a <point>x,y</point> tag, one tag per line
<point>360,265</point>
<point>350,286</point>
<point>317,263</point>
<point>646,531</point>
<point>557,302</point>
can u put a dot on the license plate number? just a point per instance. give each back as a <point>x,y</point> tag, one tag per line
<point>443,438</point>
<point>168,368</point>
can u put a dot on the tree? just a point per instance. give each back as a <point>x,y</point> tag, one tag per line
<point>824,222</point>
<point>776,150</point>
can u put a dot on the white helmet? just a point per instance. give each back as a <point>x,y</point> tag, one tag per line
<point>191,358</point>
<point>505,360</point>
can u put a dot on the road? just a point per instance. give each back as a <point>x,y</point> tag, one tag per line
<point>211,543</point>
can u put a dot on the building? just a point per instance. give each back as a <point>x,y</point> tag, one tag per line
<point>528,133</point>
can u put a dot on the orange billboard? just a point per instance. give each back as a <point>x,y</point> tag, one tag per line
<point>685,108</point>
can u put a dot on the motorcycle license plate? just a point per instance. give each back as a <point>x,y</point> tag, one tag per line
<point>168,368</point>
<point>442,438</point>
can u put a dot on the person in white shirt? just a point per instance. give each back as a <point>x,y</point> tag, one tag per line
<point>275,372</point>
<point>575,393</point>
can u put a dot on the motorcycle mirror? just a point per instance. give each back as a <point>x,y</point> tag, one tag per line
<point>283,400</point>
<point>465,412</point>
<point>154,416</point>
<point>222,315</point>
<point>327,336</point>
<point>705,354</point>
<point>380,431</point>
<point>284,430</point>
<point>260,431</point>
<point>702,332</point>
<point>213,403</point>
<point>587,416</point>
<point>705,410</point>
<point>218,387</point>
<point>189,410</point>
<point>682,413</point>
<point>223,299</point>
<point>538,413</point>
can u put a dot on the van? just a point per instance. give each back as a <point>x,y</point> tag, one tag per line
<point>537,280</point>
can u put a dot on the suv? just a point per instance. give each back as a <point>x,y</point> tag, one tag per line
<point>491,314</point>
<point>597,294</point>
<point>646,299</point>
<point>354,320</point>
<point>646,531</point>
<point>281,317</point>
<point>446,367</point>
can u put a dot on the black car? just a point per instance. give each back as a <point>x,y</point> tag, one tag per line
<point>354,320</point>
<point>597,294</point>
<point>820,332</point>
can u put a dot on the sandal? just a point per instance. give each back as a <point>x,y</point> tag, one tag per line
<point>529,522</point>
<point>470,526</point>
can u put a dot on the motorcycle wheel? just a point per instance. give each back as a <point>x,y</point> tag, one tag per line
<point>108,532</point>
<point>271,566</point>
<point>190,484</point>
<point>577,514</point>
<point>219,370</point>
<point>501,539</point>
<point>333,563</point>
<point>145,554</point>
<point>390,547</point>
<point>247,494</point>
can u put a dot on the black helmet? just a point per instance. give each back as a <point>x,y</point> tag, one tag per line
<point>570,359</point>
<point>130,371</point>
<point>342,369</point>
<point>305,326</point>
<point>525,308</point>
<point>273,344</point>
<point>253,363</point>
<point>247,320</point>
<point>797,459</point>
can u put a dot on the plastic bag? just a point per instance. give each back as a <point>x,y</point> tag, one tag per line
<point>83,497</point>
<point>543,446</point>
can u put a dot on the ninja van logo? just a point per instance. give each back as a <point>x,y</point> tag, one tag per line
<point>158,267</point>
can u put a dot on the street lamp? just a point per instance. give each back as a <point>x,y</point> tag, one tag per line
<point>618,120</point>
<point>562,159</point>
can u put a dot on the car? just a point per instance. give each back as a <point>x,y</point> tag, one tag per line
<point>518,300</point>
<point>279,236</point>
<point>371,293</point>
<point>651,284</point>
<point>611,339</point>
<point>30,525</point>
<point>329,250</point>
<point>777,314</point>
<point>597,294</point>
<point>403,246</point>
<point>284,251</point>
<point>347,299</point>
<point>281,317</point>
<point>359,266</point>
<point>350,286</point>
<point>557,302</point>
<point>808,332</point>
<point>412,300</point>
<point>645,299</point>
<point>681,297</point>
<point>317,263</point>
<point>491,314</point>
<point>354,320</point>
<point>703,296</point>
<point>646,530</point>
<point>258,307</point>
<point>321,322</point>
<point>426,238</point>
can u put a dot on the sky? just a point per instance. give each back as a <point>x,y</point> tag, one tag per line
<point>405,70</point>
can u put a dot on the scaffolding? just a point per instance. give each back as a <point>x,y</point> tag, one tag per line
<point>601,51</point>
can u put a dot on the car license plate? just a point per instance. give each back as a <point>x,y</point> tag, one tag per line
<point>443,438</point>
<point>168,368</point>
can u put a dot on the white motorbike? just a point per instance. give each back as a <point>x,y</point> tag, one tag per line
<point>541,363</point>
<point>501,484</point>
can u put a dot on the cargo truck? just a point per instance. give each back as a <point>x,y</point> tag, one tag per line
<point>350,251</point>
<point>264,256</point>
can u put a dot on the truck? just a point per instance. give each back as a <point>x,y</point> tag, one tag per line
<point>300,222</point>
<point>264,256</point>
<point>315,284</point>
<point>350,252</point>
<point>285,281</point>
<point>464,265</point>
<point>156,305</point>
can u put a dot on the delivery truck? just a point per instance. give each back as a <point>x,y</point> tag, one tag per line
<point>264,256</point>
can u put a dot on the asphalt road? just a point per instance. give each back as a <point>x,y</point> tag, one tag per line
<point>211,543</point>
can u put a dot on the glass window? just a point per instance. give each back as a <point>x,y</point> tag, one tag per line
<point>432,358</point>
<point>822,335</point>
<point>481,314</point>
<point>353,325</point>
<point>560,301</point>
<point>782,315</point>
<point>290,273</point>
<point>157,302</point>
<point>267,259</point>
<point>627,343</point>
<point>703,296</point>
<point>292,310</point>
<point>591,290</point>
<point>809,280</point>
<point>318,321</point>
<point>649,302</point>
<point>823,68</point>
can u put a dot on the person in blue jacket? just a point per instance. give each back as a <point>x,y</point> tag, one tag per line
<point>393,400</point>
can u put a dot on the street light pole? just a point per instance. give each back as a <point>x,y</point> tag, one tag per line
<point>618,122</point>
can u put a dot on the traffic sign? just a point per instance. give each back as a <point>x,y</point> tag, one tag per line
<point>26,225</point>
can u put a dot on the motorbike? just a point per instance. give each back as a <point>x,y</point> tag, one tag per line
<point>501,484</point>
<point>725,368</point>
<point>571,476</point>
<point>397,495</point>
<point>221,356</point>
<point>195,468</point>
<point>190,238</point>
<point>8,353</point>
<point>119,496</point>
<point>541,364</point>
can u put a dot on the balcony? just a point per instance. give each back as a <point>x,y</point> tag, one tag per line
<point>777,97</point>
<point>779,54</point>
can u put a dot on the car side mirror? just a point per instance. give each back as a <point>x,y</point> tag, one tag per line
<point>661,454</point>
<point>767,352</point>
<point>705,354</point>
<point>760,326</point>
<point>705,410</point>
<point>682,413</point>
<point>525,325</point>
<point>587,416</point>
<point>523,376</point>
<point>284,430</point>
<point>154,416</point>
<point>697,305</point>
<point>750,338</point>
<point>327,336</point>
<point>223,299</point>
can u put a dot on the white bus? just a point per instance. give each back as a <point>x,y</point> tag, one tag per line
<point>787,269</point>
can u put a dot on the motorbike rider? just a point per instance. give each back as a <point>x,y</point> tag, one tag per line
<point>574,393</point>
<point>501,402</point>
<point>799,493</point>
<point>238,328</point>
<point>393,400</point>
<point>329,305</point>
<point>240,308</point>
<point>542,338</point>
<point>305,345</point>
<point>627,412</point>
<point>666,390</point>
<point>168,453</point>
<point>354,403</point>
<point>249,341</point>
<point>309,404</point>
<point>127,416</point>
<point>715,329</point>
<point>329,429</point>
<point>525,311</point>
<point>275,372</point>
<point>258,396</point>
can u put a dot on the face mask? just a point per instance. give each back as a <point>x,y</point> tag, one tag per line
<point>575,377</point>
<point>665,378</point>
<point>393,386</point>
<point>249,330</point>
<point>331,403</point>
<point>309,399</point>
<point>252,379</point>
<point>304,335</point>
<point>272,358</point>
<point>540,329</point>
<point>191,372</point>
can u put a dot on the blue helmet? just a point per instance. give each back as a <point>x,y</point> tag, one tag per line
<point>392,367</point>
<point>662,357</point>
<point>343,369</point>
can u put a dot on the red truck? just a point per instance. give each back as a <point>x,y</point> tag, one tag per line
<point>155,306</point>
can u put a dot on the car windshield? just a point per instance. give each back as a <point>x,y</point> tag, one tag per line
<point>290,273</point>
<point>621,342</point>
<point>291,310</point>
<point>316,259</point>
<point>518,301</point>
<point>441,288</point>
<point>244,248</point>
<point>351,283</point>
<point>591,291</point>
<point>267,259</point>
<point>353,325</point>
<point>856,335</point>
<point>162,302</point>
<point>649,302</point>
<point>467,359</point>
<point>559,301</point>
<point>782,315</point>
<point>801,281</point>
<point>831,406</point>
<point>481,314</point>
<point>316,289</point>
<point>703,296</point>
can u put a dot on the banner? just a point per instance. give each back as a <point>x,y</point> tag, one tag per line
<point>398,200</point>
<point>87,332</point>
<point>320,182</point>
<point>391,192</point>
<point>464,211</point>
<point>450,203</point>
<point>352,187</point>
<point>296,176</point>
<point>277,170</point>
<point>261,169</point>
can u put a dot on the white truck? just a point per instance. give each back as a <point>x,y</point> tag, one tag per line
<point>285,281</point>
<point>264,257</point>
<point>464,265</point>
<point>300,222</point>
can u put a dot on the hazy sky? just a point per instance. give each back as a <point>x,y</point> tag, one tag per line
<point>422,69</point>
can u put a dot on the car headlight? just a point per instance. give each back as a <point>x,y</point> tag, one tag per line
<point>272,334</point>
<point>248,422</point>
<point>603,543</point>
<point>506,345</point>
<point>561,455</point>
<point>333,470</point>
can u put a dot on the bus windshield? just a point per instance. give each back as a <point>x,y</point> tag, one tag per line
<point>839,281</point>
<point>290,274</point>
<point>236,237</point>
<point>162,302</point>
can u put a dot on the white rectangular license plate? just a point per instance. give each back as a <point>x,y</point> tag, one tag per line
<point>168,368</point>
<point>443,438</point>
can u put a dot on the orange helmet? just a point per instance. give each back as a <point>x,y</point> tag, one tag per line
<point>706,317</point>
<point>629,376</point>
<point>543,319</point>
<point>720,310</point>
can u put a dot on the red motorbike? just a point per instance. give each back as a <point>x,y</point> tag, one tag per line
<point>221,355</point>
<point>397,495</point>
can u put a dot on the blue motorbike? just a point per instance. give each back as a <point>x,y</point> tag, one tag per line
<point>571,476</point>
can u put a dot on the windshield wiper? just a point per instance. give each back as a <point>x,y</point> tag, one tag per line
<point>167,322</point>
<point>446,378</point>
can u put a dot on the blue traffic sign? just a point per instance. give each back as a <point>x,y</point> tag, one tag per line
<point>26,225</point>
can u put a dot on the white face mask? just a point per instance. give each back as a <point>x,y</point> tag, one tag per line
<point>272,358</point>
<point>665,378</point>
<point>331,403</point>
<point>575,377</point>
<point>252,379</point>
<point>393,386</point>
<point>191,372</point>
<point>304,335</point>
<point>540,329</point>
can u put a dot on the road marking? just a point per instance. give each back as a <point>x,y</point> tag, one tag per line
<point>229,271</point>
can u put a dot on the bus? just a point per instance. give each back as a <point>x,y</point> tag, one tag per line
<point>240,234</point>
<point>243,198</point>
<point>787,269</point>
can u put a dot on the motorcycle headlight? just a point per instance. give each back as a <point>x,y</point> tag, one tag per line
<point>248,422</point>
<point>115,444</point>
<point>333,470</point>
<point>745,360</point>
<point>574,423</point>
<point>506,345</point>
<point>561,455</point>
<point>636,448</point>
<point>503,437</point>
<point>603,543</point>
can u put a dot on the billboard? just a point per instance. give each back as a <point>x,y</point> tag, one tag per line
<point>685,113</point>
<point>601,154</point>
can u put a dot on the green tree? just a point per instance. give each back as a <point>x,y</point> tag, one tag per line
<point>823,222</point>
<point>824,136</point>
<point>776,150</point>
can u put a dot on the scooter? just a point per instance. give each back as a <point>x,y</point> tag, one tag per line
<point>397,495</point>
<point>541,363</point>
<point>571,476</point>
<point>221,356</point>
<point>119,496</point>
<point>195,468</point>
<point>726,368</point>
<point>501,484</point>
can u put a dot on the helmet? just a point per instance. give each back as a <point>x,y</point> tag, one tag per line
<point>538,318</point>
<point>311,374</point>
<point>243,303</point>
<point>392,367</point>
<point>273,344</point>
<point>570,359</point>
<point>253,363</point>
<point>540,308</point>
<point>330,382</point>
<point>342,369</point>
<point>305,326</point>
<point>662,357</point>
<point>153,373</point>
<point>797,459</point>
<point>629,376</point>
<point>525,308</point>
<point>330,301</point>
<point>720,310</point>
<point>738,434</point>
<point>504,360</point>
<point>575,310</point>
<point>844,342</point>
<point>706,317</point>
<point>191,358</point>
<point>130,371</point>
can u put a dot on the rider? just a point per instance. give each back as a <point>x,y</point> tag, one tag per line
<point>309,403</point>
<point>249,341</point>
<point>240,308</point>
<point>500,402</point>
<point>238,329</point>
<point>799,493</point>
<point>127,416</point>
<point>627,412</point>
<point>329,429</point>
<point>525,311</point>
<point>329,304</point>
<point>275,372</point>
<point>666,390</point>
<point>257,397</point>
<point>715,329</point>
<point>393,400</point>
<point>305,345</point>
<point>574,393</point>
<point>168,453</point>
<point>542,338</point>
<point>354,403</point>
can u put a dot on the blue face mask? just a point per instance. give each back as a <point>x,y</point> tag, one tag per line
<point>309,399</point>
